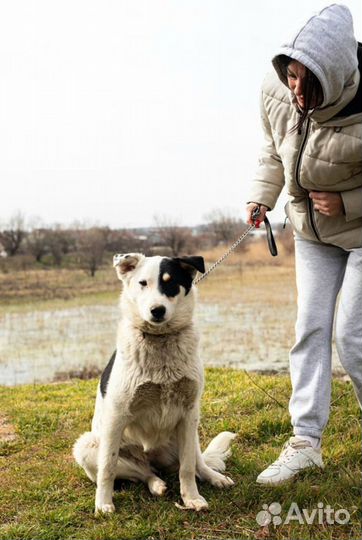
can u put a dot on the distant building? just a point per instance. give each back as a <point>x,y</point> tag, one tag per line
<point>3,253</point>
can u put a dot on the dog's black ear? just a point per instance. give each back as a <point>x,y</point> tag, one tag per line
<point>124,264</point>
<point>193,263</point>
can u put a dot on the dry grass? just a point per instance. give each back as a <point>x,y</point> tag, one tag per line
<point>52,283</point>
<point>252,253</point>
<point>25,286</point>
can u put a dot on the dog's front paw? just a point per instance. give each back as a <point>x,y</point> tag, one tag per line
<point>104,509</point>
<point>198,503</point>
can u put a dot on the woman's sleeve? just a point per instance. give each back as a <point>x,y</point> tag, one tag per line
<point>269,178</point>
<point>352,201</point>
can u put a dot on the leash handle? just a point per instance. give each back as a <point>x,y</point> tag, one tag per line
<point>269,233</point>
<point>254,216</point>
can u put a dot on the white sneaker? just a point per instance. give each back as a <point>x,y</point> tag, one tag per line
<point>297,454</point>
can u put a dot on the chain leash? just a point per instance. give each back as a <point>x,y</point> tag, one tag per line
<point>223,257</point>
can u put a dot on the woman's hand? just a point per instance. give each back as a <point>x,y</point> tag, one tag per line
<point>327,203</point>
<point>249,210</point>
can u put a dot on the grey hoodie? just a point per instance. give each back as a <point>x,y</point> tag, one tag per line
<point>327,46</point>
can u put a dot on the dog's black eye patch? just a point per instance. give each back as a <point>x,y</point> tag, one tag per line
<point>143,283</point>
<point>171,276</point>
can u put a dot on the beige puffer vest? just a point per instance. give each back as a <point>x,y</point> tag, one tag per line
<point>327,155</point>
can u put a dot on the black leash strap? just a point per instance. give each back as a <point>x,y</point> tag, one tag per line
<point>269,233</point>
<point>271,241</point>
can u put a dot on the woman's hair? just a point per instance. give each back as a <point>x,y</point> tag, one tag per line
<point>312,91</point>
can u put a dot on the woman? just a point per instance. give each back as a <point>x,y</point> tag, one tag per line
<point>312,114</point>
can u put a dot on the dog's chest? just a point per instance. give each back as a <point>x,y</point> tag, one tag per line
<point>163,397</point>
<point>157,409</point>
<point>164,360</point>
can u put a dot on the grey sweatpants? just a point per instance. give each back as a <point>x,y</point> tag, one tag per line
<point>322,271</point>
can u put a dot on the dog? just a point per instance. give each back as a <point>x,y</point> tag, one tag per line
<point>148,399</point>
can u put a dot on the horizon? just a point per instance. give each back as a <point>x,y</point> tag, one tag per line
<point>28,225</point>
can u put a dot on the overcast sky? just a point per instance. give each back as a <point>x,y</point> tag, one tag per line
<point>114,111</point>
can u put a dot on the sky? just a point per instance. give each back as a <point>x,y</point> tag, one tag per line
<point>113,112</point>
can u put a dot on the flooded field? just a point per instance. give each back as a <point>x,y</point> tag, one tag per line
<point>40,346</point>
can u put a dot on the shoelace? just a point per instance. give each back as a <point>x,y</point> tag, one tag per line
<point>288,451</point>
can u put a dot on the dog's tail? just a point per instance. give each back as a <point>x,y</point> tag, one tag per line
<point>85,452</point>
<point>219,450</point>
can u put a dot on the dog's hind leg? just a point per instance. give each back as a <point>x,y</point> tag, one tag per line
<point>165,457</point>
<point>132,463</point>
<point>211,463</point>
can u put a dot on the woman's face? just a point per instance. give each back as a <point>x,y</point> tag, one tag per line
<point>296,74</point>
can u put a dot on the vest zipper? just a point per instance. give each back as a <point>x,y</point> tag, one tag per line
<point>310,210</point>
<point>312,219</point>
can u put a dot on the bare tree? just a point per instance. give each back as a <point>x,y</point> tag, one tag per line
<point>13,235</point>
<point>58,242</point>
<point>92,245</point>
<point>53,241</point>
<point>170,234</point>
<point>125,240</point>
<point>36,243</point>
<point>224,225</point>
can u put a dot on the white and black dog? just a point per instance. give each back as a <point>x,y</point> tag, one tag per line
<point>147,408</point>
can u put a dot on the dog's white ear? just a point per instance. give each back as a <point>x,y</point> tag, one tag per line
<point>126,263</point>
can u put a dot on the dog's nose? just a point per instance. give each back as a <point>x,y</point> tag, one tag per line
<point>158,312</point>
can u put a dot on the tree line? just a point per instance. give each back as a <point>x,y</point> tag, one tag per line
<point>85,246</point>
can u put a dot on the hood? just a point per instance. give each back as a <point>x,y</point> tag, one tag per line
<point>326,45</point>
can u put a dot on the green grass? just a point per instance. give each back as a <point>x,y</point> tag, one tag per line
<point>44,495</point>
